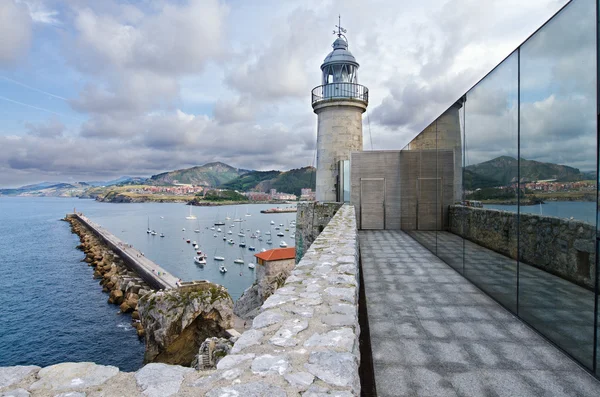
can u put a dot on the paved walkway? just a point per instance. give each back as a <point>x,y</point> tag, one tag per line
<point>433,333</point>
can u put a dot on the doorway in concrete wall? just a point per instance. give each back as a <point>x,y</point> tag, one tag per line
<point>372,203</point>
<point>429,201</point>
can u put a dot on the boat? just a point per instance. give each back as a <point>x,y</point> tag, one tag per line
<point>280,234</point>
<point>219,223</point>
<point>183,230</point>
<point>269,241</point>
<point>239,261</point>
<point>277,228</point>
<point>162,235</point>
<point>191,216</point>
<point>260,239</point>
<point>281,225</point>
<point>263,250</point>
<point>197,231</point>
<point>153,232</point>
<point>287,229</point>
<point>148,229</point>
<point>215,235</point>
<point>196,246</point>
<point>283,244</point>
<point>219,258</point>
<point>242,244</point>
<point>241,234</point>
<point>251,265</point>
<point>219,230</point>
<point>224,238</point>
<point>272,222</point>
<point>188,241</point>
<point>248,213</point>
<point>253,236</point>
<point>257,231</point>
<point>227,217</point>
<point>201,254</point>
<point>252,248</point>
<point>293,235</point>
<point>268,233</point>
<point>212,228</point>
<point>222,269</point>
<point>229,232</point>
<point>200,260</point>
<point>238,220</point>
<point>194,243</point>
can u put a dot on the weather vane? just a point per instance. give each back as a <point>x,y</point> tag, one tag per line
<point>340,30</point>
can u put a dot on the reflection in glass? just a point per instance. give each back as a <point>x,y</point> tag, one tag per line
<point>490,179</point>
<point>557,176</point>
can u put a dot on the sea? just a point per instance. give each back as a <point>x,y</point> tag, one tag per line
<point>578,210</point>
<point>54,311</point>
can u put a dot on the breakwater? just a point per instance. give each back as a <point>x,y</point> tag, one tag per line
<point>149,271</point>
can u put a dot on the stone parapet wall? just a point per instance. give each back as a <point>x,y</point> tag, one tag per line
<point>562,247</point>
<point>311,219</point>
<point>303,342</point>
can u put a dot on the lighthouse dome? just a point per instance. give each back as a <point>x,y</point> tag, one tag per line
<point>340,54</point>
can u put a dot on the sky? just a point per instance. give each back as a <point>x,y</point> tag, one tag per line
<point>93,90</point>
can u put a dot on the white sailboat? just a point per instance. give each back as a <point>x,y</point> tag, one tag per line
<point>200,260</point>
<point>148,229</point>
<point>222,269</point>
<point>247,212</point>
<point>191,216</point>
<point>251,265</point>
<point>283,244</point>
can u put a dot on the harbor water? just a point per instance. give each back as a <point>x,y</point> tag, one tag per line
<point>54,311</point>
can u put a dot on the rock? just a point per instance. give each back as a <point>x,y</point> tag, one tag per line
<point>252,389</point>
<point>285,334</point>
<point>268,364</point>
<point>177,321</point>
<point>339,369</point>
<point>339,320</point>
<point>16,393</point>
<point>301,380</point>
<point>267,318</point>
<point>73,376</point>
<point>276,300</point>
<point>347,294</point>
<point>125,308</point>
<point>248,302</point>
<point>11,375</point>
<point>135,315</point>
<point>343,339</point>
<point>232,360</point>
<point>71,394</point>
<point>116,297</point>
<point>160,380</point>
<point>248,338</point>
<point>211,351</point>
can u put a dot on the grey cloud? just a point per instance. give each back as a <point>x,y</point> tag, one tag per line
<point>240,110</point>
<point>15,31</point>
<point>51,129</point>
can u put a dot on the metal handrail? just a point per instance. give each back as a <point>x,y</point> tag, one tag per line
<point>331,91</point>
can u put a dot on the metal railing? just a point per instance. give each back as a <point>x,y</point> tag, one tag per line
<point>351,91</point>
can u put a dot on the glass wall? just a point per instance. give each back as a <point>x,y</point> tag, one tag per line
<point>503,186</point>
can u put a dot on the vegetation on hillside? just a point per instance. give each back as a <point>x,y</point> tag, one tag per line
<point>223,195</point>
<point>250,180</point>
<point>294,180</point>
<point>211,174</point>
<point>503,170</point>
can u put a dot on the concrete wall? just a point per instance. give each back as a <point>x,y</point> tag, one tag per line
<point>559,246</point>
<point>427,188</point>
<point>311,219</point>
<point>377,164</point>
<point>445,134</point>
<point>339,132</point>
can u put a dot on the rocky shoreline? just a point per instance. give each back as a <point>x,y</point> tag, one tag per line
<point>124,286</point>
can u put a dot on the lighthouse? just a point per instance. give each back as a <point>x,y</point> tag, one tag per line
<point>339,103</point>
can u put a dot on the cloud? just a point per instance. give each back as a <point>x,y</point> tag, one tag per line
<point>53,128</point>
<point>15,31</point>
<point>40,13</point>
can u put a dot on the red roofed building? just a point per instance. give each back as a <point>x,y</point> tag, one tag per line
<point>276,254</point>
<point>274,266</point>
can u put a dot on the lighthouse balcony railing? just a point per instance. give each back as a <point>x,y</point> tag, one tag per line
<point>334,91</point>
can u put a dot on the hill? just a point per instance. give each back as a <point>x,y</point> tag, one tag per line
<point>45,189</point>
<point>503,170</point>
<point>289,182</point>
<point>211,174</point>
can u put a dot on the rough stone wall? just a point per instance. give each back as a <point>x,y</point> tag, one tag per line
<point>304,341</point>
<point>339,132</point>
<point>559,246</point>
<point>311,219</point>
<point>272,275</point>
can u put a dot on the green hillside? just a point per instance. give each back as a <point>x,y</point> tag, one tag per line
<point>211,174</point>
<point>289,182</point>
<point>250,180</point>
<point>503,170</point>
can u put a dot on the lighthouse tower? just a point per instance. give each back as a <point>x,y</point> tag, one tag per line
<point>339,104</point>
